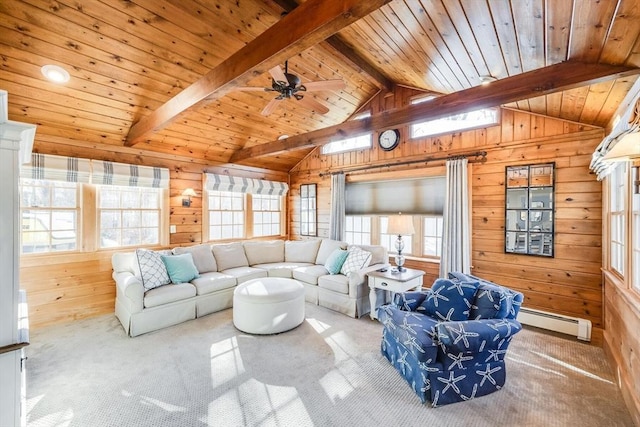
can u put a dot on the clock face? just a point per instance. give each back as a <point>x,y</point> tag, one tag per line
<point>389,139</point>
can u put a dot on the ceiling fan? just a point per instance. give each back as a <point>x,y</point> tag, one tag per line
<point>289,86</point>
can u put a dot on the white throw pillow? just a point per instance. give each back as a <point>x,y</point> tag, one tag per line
<point>153,271</point>
<point>230,255</point>
<point>356,260</point>
<point>202,257</point>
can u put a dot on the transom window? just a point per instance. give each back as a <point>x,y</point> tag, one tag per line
<point>349,144</point>
<point>49,215</point>
<point>129,216</point>
<point>468,120</point>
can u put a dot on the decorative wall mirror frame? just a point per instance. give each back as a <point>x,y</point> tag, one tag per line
<point>529,209</point>
<point>308,210</point>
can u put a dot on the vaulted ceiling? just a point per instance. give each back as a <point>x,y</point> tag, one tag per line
<point>129,58</point>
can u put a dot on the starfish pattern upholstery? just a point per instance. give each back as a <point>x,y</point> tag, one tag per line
<point>449,342</point>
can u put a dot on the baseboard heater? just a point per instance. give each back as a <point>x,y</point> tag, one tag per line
<point>580,328</point>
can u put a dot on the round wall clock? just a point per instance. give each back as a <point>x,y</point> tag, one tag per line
<point>389,139</point>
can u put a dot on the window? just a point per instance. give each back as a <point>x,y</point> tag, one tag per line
<point>226,215</point>
<point>308,210</point>
<point>349,144</point>
<point>432,235</point>
<point>266,215</point>
<point>468,120</point>
<point>358,230</point>
<point>243,208</point>
<point>49,214</point>
<point>128,216</point>
<point>635,230</point>
<point>618,190</point>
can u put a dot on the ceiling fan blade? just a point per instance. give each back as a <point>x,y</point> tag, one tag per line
<point>268,109</point>
<point>277,74</point>
<point>253,89</point>
<point>313,104</point>
<point>325,85</point>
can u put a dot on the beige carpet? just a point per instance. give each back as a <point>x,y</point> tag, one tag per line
<point>327,372</point>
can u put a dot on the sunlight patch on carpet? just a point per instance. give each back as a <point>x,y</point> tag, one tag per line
<point>226,361</point>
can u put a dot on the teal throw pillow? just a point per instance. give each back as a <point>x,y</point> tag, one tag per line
<point>181,268</point>
<point>335,260</point>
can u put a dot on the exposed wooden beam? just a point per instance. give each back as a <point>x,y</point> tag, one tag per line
<point>337,45</point>
<point>543,81</point>
<point>307,25</point>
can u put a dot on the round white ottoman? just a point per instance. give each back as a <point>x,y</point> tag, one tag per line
<point>268,305</point>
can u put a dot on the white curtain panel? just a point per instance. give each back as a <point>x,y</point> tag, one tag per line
<point>337,218</point>
<point>456,236</point>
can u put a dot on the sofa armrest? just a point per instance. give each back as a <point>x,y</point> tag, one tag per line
<point>476,335</point>
<point>359,278</point>
<point>129,291</point>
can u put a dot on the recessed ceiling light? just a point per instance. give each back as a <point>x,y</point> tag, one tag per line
<point>485,80</point>
<point>55,73</point>
<point>281,137</point>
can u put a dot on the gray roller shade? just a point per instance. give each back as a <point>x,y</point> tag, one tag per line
<point>410,196</point>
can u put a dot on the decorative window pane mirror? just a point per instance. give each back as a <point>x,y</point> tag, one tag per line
<point>529,221</point>
<point>308,210</point>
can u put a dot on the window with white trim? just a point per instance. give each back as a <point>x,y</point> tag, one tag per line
<point>432,235</point>
<point>240,207</point>
<point>129,216</point>
<point>49,215</point>
<point>358,230</point>
<point>457,122</point>
<point>266,215</point>
<point>617,231</point>
<point>635,230</point>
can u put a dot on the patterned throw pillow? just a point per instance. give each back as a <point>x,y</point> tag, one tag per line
<point>357,259</point>
<point>336,260</point>
<point>449,300</point>
<point>154,273</point>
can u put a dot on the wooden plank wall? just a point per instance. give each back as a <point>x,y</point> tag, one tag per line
<point>570,283</point>
<point>621,341</point>
<point>64,287</point>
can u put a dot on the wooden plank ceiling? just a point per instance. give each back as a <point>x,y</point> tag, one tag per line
<point>128,58</point>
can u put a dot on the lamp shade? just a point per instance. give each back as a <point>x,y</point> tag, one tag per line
<point>189,192</point>
<point>626,149</point>
<point>401,225</point>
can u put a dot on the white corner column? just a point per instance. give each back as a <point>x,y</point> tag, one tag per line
<point>16,143</point>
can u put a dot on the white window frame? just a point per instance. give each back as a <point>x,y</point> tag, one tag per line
<point>349,144</point>
<point>456,123</point>
<point>617,213</point>
<point>269,217</point>
<point>47,214</point>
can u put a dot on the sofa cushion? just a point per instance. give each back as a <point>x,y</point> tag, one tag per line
<point>181,268</point>
<point>334,282</point>
<point>168,294</point>
<point>378,254</point>
<point>336,260</point>
<point>264,252</point>
<point>242,274</point>
<point>309,274</point>
<point>449,300</point>
<point>301,250</point>
<point>357,259</point>
<point>230,255</point>
<point>202,257</point>
<point>152,269</point>
<point>326,247</point>
<point>213,281</point>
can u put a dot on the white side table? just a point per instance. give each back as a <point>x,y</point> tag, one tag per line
<point>392,281</point>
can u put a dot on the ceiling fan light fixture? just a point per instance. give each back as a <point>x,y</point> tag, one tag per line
<point>55,73</point>
<point>485,80</point>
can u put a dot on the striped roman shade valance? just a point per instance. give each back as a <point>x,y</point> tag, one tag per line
<point>215,182</point>
<point>56,168</point>
<point>110,173</point>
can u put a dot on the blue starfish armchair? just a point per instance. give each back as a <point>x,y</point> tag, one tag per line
<point>449,342</point>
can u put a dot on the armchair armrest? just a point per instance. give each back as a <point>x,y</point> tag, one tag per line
<point>410,301</point>
<point>358,280</point>
<point>476,335</point>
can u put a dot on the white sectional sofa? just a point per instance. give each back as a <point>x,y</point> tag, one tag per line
<point>221,267</point>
